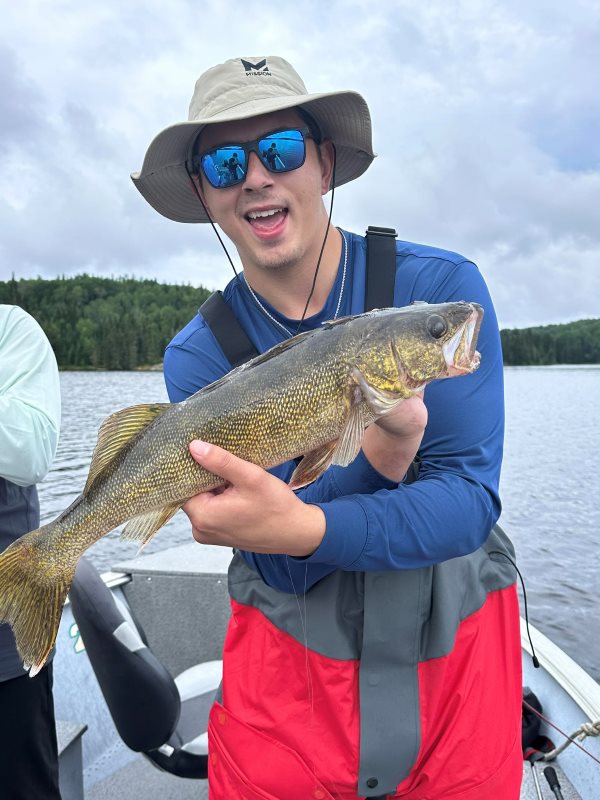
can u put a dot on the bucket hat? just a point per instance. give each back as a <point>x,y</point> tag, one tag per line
<point>238,89</point>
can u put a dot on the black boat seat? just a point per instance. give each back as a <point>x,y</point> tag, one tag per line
<point>164,718</point>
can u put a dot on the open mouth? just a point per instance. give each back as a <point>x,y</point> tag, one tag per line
<point>459,351</point>
<point>268,219</point>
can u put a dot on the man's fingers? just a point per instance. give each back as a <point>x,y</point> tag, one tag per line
<point>218,461</point>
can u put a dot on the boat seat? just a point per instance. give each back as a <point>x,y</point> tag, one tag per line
<point>164,718</point>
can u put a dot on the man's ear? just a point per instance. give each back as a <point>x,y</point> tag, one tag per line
<point>327,158</point>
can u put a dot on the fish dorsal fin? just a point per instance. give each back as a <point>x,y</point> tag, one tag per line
<point>271,353</point>
<point>331,323</point>
<point>118,430</point>
<point>260,359</point>
<point>141,529</point>
<point>277,349</point>
<point>289,343</point>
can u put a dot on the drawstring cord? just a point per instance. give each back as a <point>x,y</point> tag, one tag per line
<point>534,658</point>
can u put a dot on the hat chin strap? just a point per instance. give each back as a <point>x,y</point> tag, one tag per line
<point>314,283</point>
<point>210,219</point>
<point>236,273</point>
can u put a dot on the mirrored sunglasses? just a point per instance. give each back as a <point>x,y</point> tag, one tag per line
<point>279,151</point>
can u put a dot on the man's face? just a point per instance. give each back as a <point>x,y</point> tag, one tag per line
<point>274,219</point>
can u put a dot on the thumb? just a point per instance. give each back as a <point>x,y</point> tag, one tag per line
<point>218,461</point>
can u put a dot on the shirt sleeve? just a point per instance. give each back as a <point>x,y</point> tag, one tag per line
<point>192,360</point>
<point>452,506</point>
<point>29,399</point>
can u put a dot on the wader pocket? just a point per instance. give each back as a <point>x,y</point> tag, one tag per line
<point>249,765</point>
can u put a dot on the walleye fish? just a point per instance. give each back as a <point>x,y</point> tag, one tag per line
<point>312,396</point>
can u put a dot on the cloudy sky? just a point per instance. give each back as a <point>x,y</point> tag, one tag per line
<point>486,121</point>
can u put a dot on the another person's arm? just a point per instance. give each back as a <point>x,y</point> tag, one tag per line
<point>29,399</point>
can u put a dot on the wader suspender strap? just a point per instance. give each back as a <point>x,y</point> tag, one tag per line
<point>226,329</point>
<point>379,293</point>
<point>381,267</point>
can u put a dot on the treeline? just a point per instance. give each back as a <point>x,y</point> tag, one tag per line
<point>570,343</point>
<point>105,323</point>
<point>126,323</point>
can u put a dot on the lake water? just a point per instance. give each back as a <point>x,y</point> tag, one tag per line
<point>550,487</point>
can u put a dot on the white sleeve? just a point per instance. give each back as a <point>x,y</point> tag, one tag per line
<point>29,398</point>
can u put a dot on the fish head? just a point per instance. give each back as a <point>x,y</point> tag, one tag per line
<point>411,346</point>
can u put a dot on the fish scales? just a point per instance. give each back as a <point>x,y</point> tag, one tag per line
<point>312,395</point>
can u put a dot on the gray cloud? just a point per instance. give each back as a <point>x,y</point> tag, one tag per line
<point>21,105</point>
<point>485,118</point>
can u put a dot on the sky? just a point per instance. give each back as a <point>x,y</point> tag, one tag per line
<point>486,120</point>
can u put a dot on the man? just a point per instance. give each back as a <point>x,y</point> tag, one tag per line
<point>29,426</point>
<point>233,168</point>
<point>272,157</point>
<point>375,628</point>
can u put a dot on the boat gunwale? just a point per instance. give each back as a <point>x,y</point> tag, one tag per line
<point>567,673</point>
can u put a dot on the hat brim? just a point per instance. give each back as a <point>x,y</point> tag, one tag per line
<point>164,182</point>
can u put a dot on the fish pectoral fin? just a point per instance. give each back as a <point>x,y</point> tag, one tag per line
<point>116,431</point>
<point>341,451</point>
<point>312,465</point>
<point>349,444</point>
<point>143,527</point>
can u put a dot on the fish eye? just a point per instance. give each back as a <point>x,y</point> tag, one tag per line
<point>436,326</point>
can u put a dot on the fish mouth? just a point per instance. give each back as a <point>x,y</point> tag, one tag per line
<point>459,352</point>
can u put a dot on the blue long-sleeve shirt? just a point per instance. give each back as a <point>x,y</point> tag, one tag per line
<point>372,523</point>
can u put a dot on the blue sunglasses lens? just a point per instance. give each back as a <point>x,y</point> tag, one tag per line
<point>224,166</point>
<point>281,151</point>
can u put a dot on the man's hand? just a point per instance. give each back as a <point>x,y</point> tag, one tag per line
<point>254,511</point>
<point>258,512</point>
<point>391,444</point>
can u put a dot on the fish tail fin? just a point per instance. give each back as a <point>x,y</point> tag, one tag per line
<point>32,595</point>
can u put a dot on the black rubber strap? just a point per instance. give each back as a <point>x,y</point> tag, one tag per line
<point>226,329</point>
<point>381,267</point>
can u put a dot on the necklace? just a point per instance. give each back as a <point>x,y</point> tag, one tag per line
<point>276,322</point>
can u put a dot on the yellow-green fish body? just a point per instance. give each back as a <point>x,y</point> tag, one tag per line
<point>310,396</point>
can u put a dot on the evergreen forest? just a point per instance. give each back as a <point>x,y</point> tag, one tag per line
<point>126,323</point>
<point>105,323</point>
<point>570,343</point>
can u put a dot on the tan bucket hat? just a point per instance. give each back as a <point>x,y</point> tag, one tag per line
<point>238,89</point>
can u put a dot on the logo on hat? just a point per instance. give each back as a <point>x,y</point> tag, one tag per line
<point>255,69</point>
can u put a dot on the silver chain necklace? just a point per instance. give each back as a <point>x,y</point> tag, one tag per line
<point>339,302</point>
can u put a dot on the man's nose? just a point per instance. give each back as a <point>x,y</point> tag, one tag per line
<point>257,175</point>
